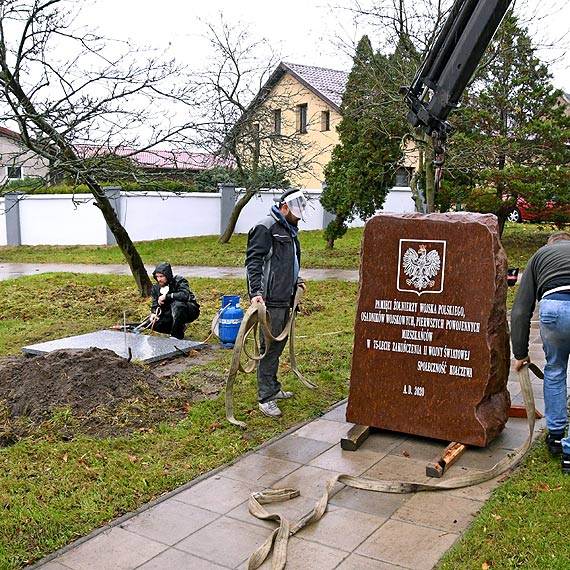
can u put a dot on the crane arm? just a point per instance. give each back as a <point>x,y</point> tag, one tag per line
<point>450,64</point>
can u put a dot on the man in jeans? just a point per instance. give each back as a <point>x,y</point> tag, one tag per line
<point>546,278</point>
<point>272,268</point>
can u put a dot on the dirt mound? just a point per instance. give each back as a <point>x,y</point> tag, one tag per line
<point>93,383</point>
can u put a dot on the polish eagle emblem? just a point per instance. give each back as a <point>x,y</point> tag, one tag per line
<point>420,266</point>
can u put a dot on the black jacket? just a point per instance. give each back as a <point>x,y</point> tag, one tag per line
<point>270,261</point>
<point>178,289</point>
<point>548,268</point>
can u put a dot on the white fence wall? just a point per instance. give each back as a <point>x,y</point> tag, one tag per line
<point>3,236</point>
<point>164,215</point>
<point>56,219</point>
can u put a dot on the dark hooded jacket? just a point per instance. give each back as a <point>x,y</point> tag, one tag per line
<point>270,261</point>
<point>178,289</point>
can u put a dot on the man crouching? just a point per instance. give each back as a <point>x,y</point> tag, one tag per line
<point>173,304</point>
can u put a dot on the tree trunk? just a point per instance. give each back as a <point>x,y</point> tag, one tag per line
<point>234,216</point>
<point>144,284</point>
<point>335,229</point>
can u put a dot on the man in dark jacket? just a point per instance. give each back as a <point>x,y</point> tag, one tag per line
<point>546,278</point>
<point>173,304</point>
<point>272,264</point>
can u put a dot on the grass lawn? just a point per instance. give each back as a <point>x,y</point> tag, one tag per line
<point>58,483</point>
<point>519,241</point>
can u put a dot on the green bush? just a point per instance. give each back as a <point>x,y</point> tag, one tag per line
<point>40,186</point>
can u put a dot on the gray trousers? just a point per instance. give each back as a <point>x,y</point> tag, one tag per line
<point>267,383</point>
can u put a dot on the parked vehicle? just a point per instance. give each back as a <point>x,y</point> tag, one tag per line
<point>523,211</point>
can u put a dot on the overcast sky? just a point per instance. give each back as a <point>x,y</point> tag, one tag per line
<point>302,31</point>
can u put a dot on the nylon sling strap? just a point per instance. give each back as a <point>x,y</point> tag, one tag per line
<point>280,536</point>
<point>256,316</point>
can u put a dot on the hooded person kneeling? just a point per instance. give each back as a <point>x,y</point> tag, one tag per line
<point>173,304</point>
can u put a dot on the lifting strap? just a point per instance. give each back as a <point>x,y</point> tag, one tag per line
<point>256,316</point>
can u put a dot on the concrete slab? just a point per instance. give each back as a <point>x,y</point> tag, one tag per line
<point>381,505</point>
<point>439,510</point>
<point>356,562</point>
<point>310,481</point>
<point>407,545</point>
<point>349,462</point>
<point>302,554</point>
<point>218,494</point>
<point>144,348</point>
<point>169,522</point>
<point>226,541</point>
<point>176,559</point>
<point>296,449</point>
<point>115,549</point>
<point>343,529</point>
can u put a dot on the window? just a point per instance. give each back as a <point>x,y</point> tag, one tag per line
<point>402,178</point>
<point>14,172</point>
<point>277,121</point>
<point>325,120</point>
<point>302,123</point>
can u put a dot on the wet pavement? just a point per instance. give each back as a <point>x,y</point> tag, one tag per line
<point>13,270</point>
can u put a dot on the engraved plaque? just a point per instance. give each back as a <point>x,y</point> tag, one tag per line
<point>431,347</point>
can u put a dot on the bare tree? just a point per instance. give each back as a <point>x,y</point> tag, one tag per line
<point>238,101</point>
<point>66,87</point>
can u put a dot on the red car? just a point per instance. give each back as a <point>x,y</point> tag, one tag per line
<point>525,212</point>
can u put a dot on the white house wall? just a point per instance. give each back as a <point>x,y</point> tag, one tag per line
<point>13,154</point>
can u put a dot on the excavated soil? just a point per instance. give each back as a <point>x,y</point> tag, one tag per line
<point>105,394</point>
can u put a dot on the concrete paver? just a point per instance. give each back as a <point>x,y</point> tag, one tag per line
<point>408,545</point>
<point>173,559</point>
<point>357,562</point>
<point>331,530</point>
<point>302,555</point>
<point>228,542</point>
<point>439,510</point>
<point>218,494</point>
<point>206,525</point>
<point>114,549</point>
<point>169,522</point>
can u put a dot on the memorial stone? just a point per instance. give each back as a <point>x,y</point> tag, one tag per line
<point>431,347</point>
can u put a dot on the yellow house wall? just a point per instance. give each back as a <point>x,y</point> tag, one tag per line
<point>322,142</point>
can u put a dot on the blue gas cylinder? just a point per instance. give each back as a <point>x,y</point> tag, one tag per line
<point>231,316</point>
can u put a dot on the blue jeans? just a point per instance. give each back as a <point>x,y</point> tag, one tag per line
<point>555,334</point>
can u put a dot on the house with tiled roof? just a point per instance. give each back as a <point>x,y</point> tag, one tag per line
<point>16,162</point>
<point>304,101</point>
